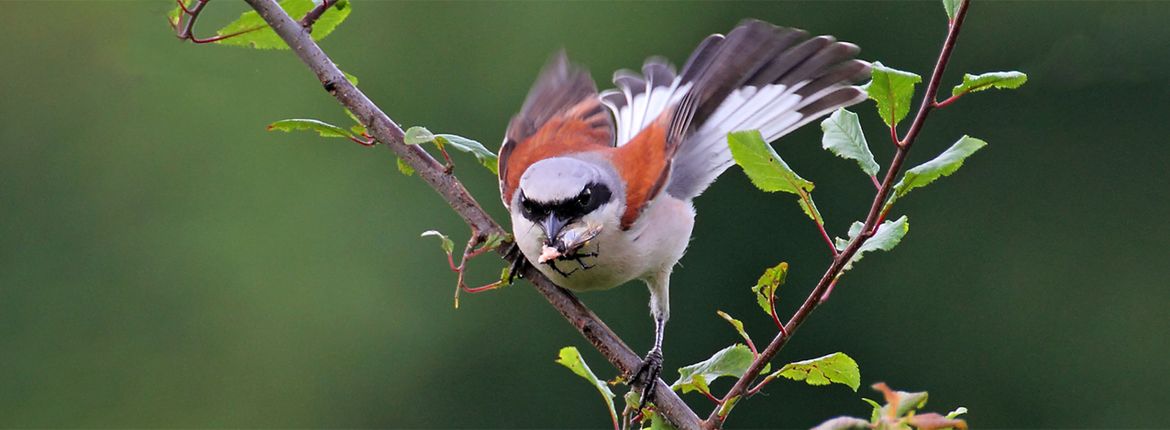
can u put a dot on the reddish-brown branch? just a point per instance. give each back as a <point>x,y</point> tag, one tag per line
<point>816,296</point>
<point>311,18</point>
<point>186,28</point>
<point>386,131</point>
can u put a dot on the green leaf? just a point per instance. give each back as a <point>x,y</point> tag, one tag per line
<point>735,323</point>
<point>960,411</point>
<point>571,358</point>
<point>907,402</point>
<point>418,135</point>
<point>942,165</point>
<point>843,423</point>
<point>494,240</point>
<point>843,136</point>
<point>763,165</point>
<point>768,284</point>
<point>322,128</point>
<point>876,415</point>
<point>892,89</point>
<point>998,80</point>
<point>731,361</point>
<point>889,234</point>
<point>836,367</point>
<point>444,241</point>
<point>486,158</point>
<point>659,423</point>
<point>951,6</point>
<point>809,207</point>
<point>174,14</point>
<point>351,78</point>
<point>259,35</point>
<point>404,168</point>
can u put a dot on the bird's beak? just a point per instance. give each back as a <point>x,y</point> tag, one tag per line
<point>552,229</point>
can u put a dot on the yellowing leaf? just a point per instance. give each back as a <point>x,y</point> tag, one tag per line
<point>768,284</point>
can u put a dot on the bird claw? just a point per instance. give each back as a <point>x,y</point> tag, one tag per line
<point>647,375</point>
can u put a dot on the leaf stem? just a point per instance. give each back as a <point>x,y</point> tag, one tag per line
<point>715,420</point>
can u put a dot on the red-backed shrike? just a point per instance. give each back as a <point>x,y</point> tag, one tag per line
<point>599,186</point>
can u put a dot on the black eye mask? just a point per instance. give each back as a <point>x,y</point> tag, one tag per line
<point>589,199</point>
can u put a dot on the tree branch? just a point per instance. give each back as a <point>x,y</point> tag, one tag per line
<point>714,420</point>
<point>385,130</point>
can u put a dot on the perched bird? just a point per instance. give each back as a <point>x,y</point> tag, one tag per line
<point>599,185</point>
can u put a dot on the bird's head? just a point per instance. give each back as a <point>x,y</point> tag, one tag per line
<point>566,198</point>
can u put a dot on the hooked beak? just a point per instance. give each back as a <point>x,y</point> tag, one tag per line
<point>552,229</point>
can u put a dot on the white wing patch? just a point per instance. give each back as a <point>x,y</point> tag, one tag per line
<point>633,112</point>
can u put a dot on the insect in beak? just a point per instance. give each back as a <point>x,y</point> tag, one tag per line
<point>552,229</point>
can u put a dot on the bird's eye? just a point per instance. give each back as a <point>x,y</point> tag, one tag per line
<point>584,198</point>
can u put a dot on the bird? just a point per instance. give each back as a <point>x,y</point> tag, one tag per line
<point>599,185</point>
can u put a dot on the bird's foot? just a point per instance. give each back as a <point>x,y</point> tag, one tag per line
<point>647,375</point>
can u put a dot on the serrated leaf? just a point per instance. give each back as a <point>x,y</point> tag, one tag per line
<point>998,80</point>
<point>843,137</point>
<point>843,423</point>
<point>444,241</point>
<point>763,165</point>
<point>418,135</point>
<point>959,411</point>
<point>731,361</point>
<point>943,165</point>
<point>322,128</point>
<point>486,158</point>
<point>892,89</point>
<point>767,285</point>
<point>735,323</point>
<point>951,6</point>
<point>836,367</point>
<point>404,168</point>
<point>571,358</point>
<point>889,234</point>
<point>260,36</point>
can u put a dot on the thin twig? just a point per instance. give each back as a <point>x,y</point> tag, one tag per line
<point>315,14</point>
<point>386,131</point>
<point>815,297</point>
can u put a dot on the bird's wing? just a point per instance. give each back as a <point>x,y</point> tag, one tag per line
<point>758,77</point>
<point>562,115</point>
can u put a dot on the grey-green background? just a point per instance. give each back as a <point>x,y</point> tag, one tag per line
<point>166,262</point>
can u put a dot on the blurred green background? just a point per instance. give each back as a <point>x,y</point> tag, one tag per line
<point>166,262</point>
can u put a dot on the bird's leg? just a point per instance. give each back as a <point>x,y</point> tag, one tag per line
<point>651,367</point>
<point>659,309</point>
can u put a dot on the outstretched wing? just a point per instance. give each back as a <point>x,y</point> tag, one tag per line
<point>759,76</point>
<point>562,115</point>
